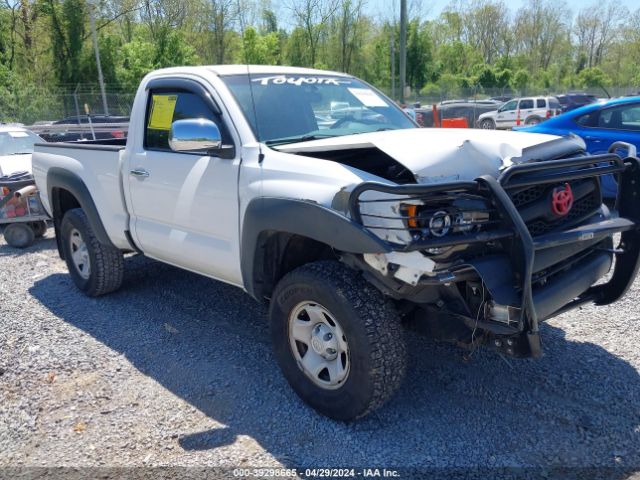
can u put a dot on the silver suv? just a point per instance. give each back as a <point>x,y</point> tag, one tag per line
<point>520,111</point>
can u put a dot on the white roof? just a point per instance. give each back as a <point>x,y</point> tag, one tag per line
<point>254,69</point>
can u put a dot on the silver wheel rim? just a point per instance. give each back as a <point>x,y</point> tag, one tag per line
<point>487,125</point>
<point>79,254</point>
<point>319,345</point>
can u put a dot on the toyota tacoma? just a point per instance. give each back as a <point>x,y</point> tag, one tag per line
<point>314,192</point>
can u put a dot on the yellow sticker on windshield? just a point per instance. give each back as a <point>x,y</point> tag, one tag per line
<point>162,107</point>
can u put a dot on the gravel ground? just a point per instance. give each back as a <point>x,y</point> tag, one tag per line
<point>176,369</point>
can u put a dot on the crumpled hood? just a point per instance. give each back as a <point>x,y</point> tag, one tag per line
<point>15,163</point>
<point>445,155</point>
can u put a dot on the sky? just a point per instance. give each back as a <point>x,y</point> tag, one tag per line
<point>432,8</point>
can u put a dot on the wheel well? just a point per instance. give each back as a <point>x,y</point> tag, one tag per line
<point>278,253</point>
<point>61,201</point>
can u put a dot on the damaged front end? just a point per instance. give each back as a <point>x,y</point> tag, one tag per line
<point>497,257</point>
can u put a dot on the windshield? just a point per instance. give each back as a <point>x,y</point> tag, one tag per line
<point>17,142</point>
<point>292,108</point>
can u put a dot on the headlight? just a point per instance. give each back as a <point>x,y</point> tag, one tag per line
<point>426,222</point>
<point>434,216</point>
<point>440,224</point>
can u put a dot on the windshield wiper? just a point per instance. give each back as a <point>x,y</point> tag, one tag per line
<point>301,138</point>
<point>21,153</point>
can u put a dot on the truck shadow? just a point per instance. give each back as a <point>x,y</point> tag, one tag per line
<point>207,343</point>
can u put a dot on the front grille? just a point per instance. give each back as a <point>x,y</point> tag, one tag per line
<point>528,195</point>
<point>534,204</point>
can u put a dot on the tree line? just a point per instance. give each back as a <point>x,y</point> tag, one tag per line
<point>45,45</point>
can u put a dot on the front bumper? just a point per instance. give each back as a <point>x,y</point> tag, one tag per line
<point>581,255</point>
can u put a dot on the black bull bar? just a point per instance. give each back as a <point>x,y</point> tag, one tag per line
<point>535,306</point>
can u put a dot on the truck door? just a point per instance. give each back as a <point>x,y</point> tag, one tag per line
<point>526,109</point>
<point>184,206</point>
<point>507,114</point>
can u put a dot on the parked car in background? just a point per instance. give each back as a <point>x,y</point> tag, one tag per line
<point>571,101</point>
<point>469,109</point>
<point>523,111</point>
<point>74,128</point>
<point>600,125</point>
<point>84,119</point>
<point>16,147</point>
<point>501,98</point>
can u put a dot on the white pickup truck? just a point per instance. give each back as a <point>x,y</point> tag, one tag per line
<point>349,225</point>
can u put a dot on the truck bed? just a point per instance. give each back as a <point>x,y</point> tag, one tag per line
<point>98,164</point>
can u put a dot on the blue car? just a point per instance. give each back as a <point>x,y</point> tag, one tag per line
<point>600,125</point>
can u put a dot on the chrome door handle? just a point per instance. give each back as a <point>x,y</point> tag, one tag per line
<point>139,172</point>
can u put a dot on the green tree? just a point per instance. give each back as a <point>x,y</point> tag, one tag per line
<point>67,22</point>
<point>420,62</point>
<point>521,81</point>
<point>593,77</point>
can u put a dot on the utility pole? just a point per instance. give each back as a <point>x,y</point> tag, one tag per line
<point>392,39</point>
<point>92,22</point>
<point>403,48</point>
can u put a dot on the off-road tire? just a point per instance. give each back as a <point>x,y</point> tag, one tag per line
<point>19,235</point>
<point>377,352</point>
<point>106,262</point>
<point>488,124</point>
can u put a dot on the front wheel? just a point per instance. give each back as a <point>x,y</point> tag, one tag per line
<point>337,339</point>
<point>487,124</point>
<point>95,268</point>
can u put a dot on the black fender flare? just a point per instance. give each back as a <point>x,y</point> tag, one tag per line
<point>59,178</point>
<point>300,217</point>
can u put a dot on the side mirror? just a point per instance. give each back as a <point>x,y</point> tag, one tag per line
<point>195,135</point>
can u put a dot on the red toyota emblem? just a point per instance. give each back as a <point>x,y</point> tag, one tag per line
<point>562,200</point>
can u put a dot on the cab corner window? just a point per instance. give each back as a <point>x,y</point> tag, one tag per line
<point>165,107</point>
<point>588,119</point>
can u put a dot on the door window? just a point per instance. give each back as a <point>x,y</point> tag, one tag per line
<point>165,107</point>
<point>512,105</point>
<point>541,103</point>
<point>526,104</point>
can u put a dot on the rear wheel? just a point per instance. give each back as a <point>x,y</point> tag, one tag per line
<point>95,268</point>
<point>488,124</point>
<point>19,235</point>
<point>337,339</point>
<point>532,121</point>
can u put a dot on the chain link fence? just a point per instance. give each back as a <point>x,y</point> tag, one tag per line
<point>34,107</point>
<point>448,94</point>
<point>46,106</point>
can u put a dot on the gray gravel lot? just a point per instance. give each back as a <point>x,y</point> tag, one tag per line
<point>176,369</point>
